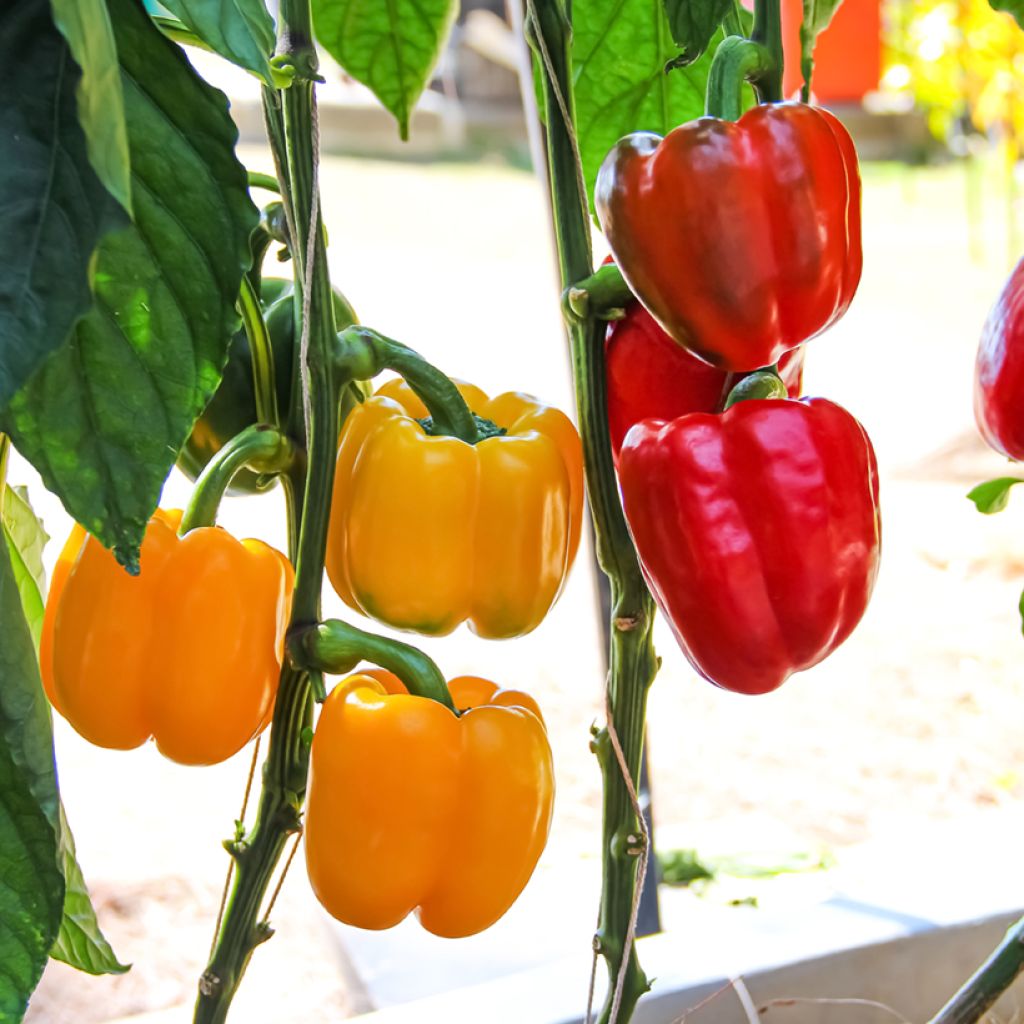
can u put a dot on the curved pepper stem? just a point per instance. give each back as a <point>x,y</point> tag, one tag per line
<point>737,60</point>
<point>603,295</point>
<point>760,384</point>
<point>336,647</point>
<point>259,447</point>
<point>262,352</point>
<point>362,353</point>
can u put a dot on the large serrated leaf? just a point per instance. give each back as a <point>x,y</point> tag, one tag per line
<point>26,539</point>
<point>53,207</point>
<point>391,47</point>
<point>80,942</point>
<point>86,26</point>
<point>241,31</point>
<point>104,418</point>
<point>31,884</point>
<point>620,52</point>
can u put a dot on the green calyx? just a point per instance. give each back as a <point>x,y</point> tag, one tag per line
<point>485,428</point>
<point>761,384</point>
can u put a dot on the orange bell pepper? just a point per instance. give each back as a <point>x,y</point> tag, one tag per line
<point>428,531</point>
<point>454,813</point>
<point>188,652</point>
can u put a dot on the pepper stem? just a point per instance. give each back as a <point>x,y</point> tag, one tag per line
<point>736,61</point>
<point>262,352</point>
<point>604,295</point>
<point>362,353</point>
<point>758,385</point>
<point>259,447</point>
<point>336,647</point>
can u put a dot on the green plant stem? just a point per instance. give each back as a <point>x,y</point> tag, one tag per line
<point>604,295</point>
<point>768,33</point>
<point>336,647</point>
<point>261,447</point>
<point>631,660</point>
<point>289,116</point>
<point>988,983</point>
<point>736,61</point>
<point>5,453</point>
<point>267,181</point>
<point>262,352</point>
<point>361,353</point>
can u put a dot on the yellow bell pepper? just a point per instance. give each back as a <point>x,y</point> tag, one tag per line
<point>428,531</point>
<point>454,812</point>
<point>187,652</point>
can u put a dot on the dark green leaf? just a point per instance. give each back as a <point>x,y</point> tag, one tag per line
<point>1013,7</point>
<point>693,23</point>
<point>80,942</point>
<point>26,539</point>
<point>242,31</point>
<point>31,885</point>
<point>105,417</point>
<point>54,208</point>
<point>817,16</point>
<point>85,25</point>
<point>992,496</point>
<point>390,47</point>
<point>620,50</point>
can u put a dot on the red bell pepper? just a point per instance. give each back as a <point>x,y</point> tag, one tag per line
<point>651,377</point>
<point>741,238</point>
<point>758,531</point>
<point>999,371</point>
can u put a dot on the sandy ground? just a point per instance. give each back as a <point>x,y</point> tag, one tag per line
<point>917,717</point>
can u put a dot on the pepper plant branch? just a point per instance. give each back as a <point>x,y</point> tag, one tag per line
<point>336,647</point>
<point>290,128</point>
<point>768,33</point>
<point>267,181</point>
<point>988,983</point>
<point>603,295</point>
<point>260,447</point>
<point>631,657</point>
<point>5,453</point>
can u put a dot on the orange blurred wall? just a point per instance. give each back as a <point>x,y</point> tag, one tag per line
<point>848,58</point>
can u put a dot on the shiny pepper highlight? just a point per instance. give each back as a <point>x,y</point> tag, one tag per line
<point>188,652</point>
<point>412,808</point>
<point>428,531</point>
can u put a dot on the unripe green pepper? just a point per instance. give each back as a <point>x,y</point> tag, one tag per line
<point>233,406</point>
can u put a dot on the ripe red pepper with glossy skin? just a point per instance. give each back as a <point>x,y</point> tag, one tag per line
<point>758,531</point>
<point>741,238</point>
<point>999,371</point>
<point>651,377</point>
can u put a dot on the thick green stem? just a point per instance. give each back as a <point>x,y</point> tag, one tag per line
<point>604,295</point>
<point>988,983</point>
<point>737,61</point>
<point>361,353</point>
<point>262,352</point>
<point>259,180</point>
<point>289,118</point>
<point>768,33</point>
<point>336,647</point>
<point>260,447</point>
<point>631,658</point>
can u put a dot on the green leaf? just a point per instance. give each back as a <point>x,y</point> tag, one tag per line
<point>693,23</point>
<point>31,885</point>
<point>620,51</point>
<point>992,496</point>
<point>1012,7</point>
<point>86,26</point>
<point>55,209</point>
<point>26,539</point>
<point>391,47</point>
<point>241,31</point>
<point>817,16</point>
<point>80,942</point>
<point>105,417</point>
